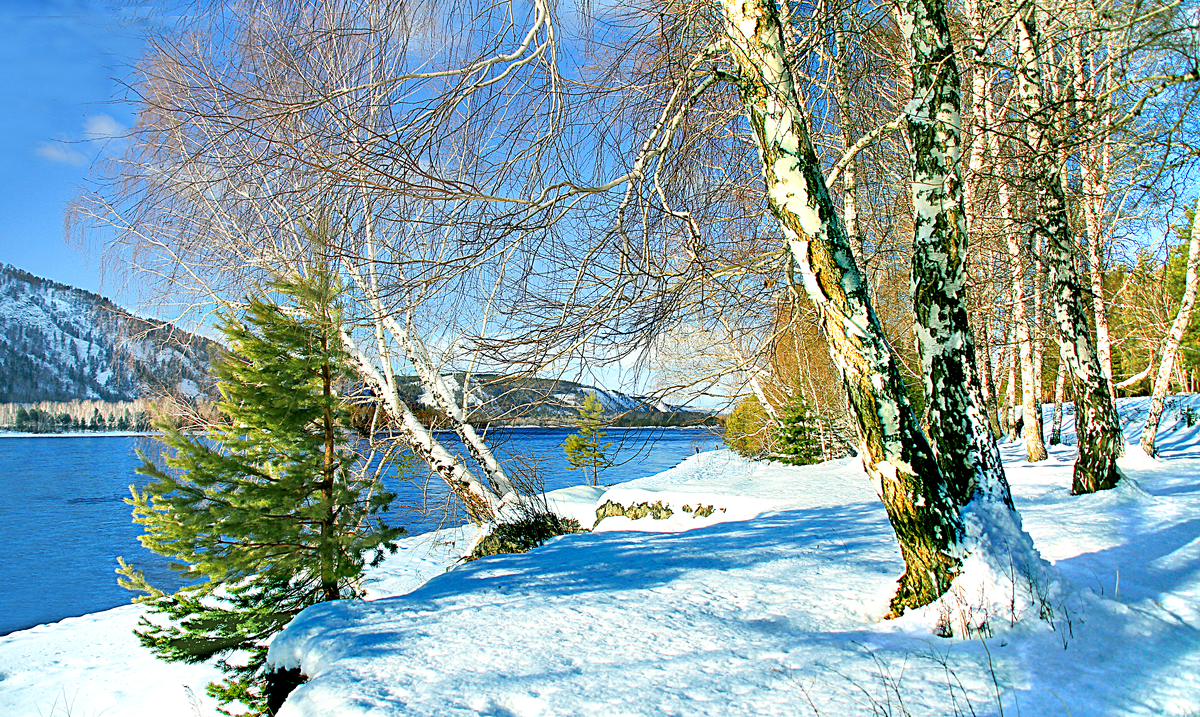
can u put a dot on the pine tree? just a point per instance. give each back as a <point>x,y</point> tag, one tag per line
<point>584,449</point>
<point>264,506</point>
<point>798,440</point>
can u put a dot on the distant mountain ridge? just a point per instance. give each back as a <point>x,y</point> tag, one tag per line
<point>61,343</point>
<point>544,401</point>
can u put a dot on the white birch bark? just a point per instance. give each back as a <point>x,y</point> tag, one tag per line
<point>1010,395</point>
<point>1038,337</point>
<point>443,397</point>
<point>984,358</point>
<point>499,490</point>
<point>1035,447</point>
<point>846,125</point>
<point>1097,423</point>
<point>1060,387</point>
<point>480,502</point>
<point>924,507</point>
<point>958,425</point>
<point>1170,353</point>
<point>981,111</point>
<point>1094,181</point>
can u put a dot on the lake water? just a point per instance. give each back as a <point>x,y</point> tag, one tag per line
<point>64,520</point>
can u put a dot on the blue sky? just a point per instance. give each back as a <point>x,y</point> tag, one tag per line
<point>60,62</point>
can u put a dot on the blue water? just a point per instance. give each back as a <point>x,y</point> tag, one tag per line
<point>64,521</point>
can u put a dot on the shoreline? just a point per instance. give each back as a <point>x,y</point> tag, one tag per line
<point>81,434</point>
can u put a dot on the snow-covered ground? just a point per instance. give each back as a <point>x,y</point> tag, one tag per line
<point>769,604</point>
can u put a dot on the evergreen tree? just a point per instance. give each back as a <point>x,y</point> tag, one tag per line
<point>585,449</point>
<point>798,440</point>
<point>264,507</point>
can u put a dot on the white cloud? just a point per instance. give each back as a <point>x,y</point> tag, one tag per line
<point>57,152</point>
<point>102,127</point>
<point>96,128</point>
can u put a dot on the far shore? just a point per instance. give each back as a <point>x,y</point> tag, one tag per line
<point>78,434</point>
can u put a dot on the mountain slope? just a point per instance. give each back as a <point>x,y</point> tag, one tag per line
<point>60,343</point>
<point>521,400</point>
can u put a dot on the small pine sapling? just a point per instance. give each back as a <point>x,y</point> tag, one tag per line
<point>585,449</point>
<point>799,439</point>
<point>268,510</point>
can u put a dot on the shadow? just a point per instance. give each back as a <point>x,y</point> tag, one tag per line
<point>629,560</point>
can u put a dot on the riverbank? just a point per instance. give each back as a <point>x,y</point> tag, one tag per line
<point>764,596</point>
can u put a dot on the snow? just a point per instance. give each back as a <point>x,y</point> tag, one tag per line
<point>772,606</point>
<point>93,665</point>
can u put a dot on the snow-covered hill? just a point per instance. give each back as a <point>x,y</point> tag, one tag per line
<point>772,603</point>
<point>59,343</point>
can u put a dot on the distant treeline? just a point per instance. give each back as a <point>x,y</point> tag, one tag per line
<point>138,415</point>
<point>76,416</point>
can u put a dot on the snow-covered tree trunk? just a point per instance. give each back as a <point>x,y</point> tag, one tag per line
<point>1170,352</point>
<point>1097,424</point>
<point>1060,387</point>
<point>958,427</point>
<point>924,507</point>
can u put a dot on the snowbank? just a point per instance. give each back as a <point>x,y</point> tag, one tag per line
<point>774,606</point>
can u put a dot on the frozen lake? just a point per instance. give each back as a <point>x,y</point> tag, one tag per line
<point>65,522</point>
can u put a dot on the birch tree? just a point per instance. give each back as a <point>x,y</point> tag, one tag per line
<point>596,227</point>
<point>1096,422</point>
<point>924,500</point>
<point>259,118</point>
<point>1170,350</point>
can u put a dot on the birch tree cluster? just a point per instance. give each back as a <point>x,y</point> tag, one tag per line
<point>922,220</point>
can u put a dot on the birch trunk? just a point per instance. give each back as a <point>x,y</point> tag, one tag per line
<point>924,508</point>
<point>1094,188</point>
<point>1170,354</point>
<point>846,125</point>
<point>1060,387</point>
<point>1038,336</point>
<point>1035,448</point>
<point>958,426</point>
<point>989,386</point>
<point>499,491</point>
<point>443,397</point>
<point>1010,395</point>
<point>481,503</point>
<point>1097,424</point>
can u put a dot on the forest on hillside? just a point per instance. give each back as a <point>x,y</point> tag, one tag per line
<point>77,416</point>
<point>895,228</point>
<point>61,343</point>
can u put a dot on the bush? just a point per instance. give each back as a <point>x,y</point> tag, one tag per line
<point>524,535</point>
<point>747,429</point>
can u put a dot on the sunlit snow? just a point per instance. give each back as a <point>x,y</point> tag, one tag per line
<point>771,606</point>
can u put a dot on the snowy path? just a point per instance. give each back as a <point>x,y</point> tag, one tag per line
<point>771,607</point>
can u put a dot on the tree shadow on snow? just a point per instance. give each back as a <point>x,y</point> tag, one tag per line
<point>629,560</point>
